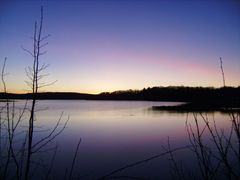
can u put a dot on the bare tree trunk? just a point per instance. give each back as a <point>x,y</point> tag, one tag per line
<point>223,76</point>
<point>35,78</point>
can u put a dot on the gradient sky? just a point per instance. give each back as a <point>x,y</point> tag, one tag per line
<point>108,45</point>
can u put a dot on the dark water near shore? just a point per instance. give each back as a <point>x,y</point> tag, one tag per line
<point>114,134</point>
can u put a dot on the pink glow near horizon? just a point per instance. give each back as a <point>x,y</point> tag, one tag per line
<point>108,46</point>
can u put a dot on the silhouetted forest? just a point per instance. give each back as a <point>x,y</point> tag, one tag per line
<point>227,96</point>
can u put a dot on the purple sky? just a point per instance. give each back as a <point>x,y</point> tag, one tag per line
<point>112,45</point>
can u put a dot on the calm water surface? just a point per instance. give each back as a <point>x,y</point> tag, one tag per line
<point>114,134</point>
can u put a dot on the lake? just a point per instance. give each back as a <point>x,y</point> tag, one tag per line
<point>115,134</point>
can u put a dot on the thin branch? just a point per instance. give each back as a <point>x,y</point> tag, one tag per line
<point>50,138</point>
<point>50,134</point>
<point>74,159</point>
<point>142,161</point>
<point>221,64</point>
<point>29,52</point>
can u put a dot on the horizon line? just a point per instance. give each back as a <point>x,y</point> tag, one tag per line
<point>122,90</point>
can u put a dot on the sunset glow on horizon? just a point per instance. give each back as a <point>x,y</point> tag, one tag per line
<point>99,46</point>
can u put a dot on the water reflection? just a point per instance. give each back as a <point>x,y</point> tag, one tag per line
<point>115,133</point>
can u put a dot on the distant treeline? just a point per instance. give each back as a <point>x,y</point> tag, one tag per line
<point>224,95</point>
<point>172,93</point>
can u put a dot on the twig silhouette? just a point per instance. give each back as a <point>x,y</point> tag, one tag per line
<point>223,76</point>
<point>74,159</point>
<point>141,162</point>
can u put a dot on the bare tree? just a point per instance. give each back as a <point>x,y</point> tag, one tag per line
<point>16,161</point>
<point>9,124</point>
<point>223,76</point>
<point>35,75</point>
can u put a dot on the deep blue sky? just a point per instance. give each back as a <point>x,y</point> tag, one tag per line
<point>111,45</point>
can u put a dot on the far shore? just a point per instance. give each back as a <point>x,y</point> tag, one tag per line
<point>199,107</point>
<point>197,99</point>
